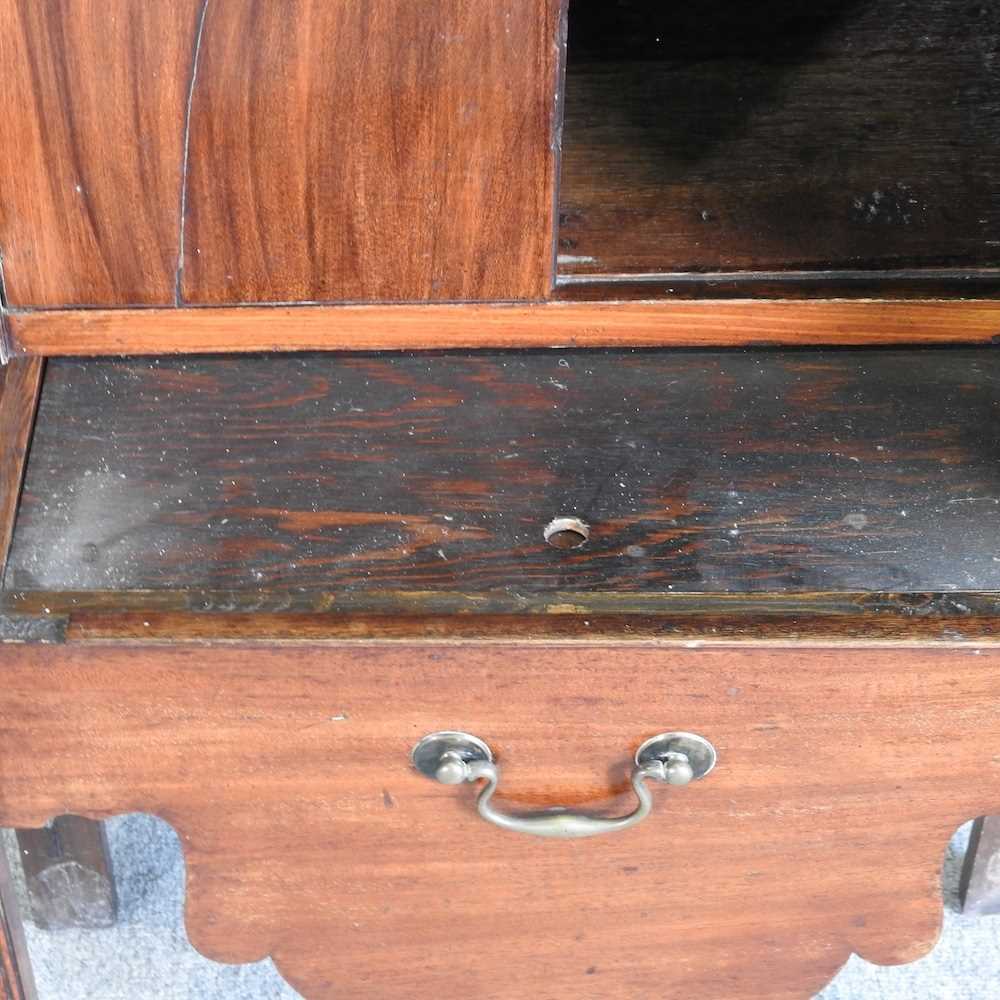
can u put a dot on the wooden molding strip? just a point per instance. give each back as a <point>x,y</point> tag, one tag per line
<point>704,323</point>
<point>678,630</point>
<point>849,619</point>
<point>902,283</point>
<point>979,888</point>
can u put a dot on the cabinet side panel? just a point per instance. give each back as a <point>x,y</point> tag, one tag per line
<point>91,149</point>
<point>377,151</point>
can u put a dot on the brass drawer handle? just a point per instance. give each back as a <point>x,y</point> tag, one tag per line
<point>671,758</point>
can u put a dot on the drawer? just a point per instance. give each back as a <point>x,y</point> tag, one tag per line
<point>242,590</point>
<point>310,836</point>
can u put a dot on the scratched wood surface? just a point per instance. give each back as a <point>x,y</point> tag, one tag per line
<point>857,134</point>
<point>697,471</point>
<point>308,836</point>
<point>91,148</point>
<point>378,151</point>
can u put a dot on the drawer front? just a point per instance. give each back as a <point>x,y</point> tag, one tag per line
<point>309,836</point>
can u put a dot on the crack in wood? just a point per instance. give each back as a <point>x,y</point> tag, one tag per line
<point>179,271</point>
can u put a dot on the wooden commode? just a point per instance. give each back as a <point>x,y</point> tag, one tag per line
<point>542,380</point>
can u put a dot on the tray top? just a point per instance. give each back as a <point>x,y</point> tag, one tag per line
<point>696,471</point>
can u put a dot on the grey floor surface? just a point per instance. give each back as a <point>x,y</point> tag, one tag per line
<point>147,957</point>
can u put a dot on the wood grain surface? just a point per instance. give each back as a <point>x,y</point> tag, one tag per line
<point>20,385</point>
<point>230,152</point>
<point>309,837</point>
<point>734,136</point>
<point>91,148</point>
<point>554,324</point>
<point>377,151</point>
<point>697,471</point>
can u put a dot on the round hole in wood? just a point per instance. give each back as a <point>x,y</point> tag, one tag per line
<point>567,533</point>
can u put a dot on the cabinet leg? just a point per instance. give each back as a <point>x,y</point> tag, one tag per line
<point>68,874</point>
<point>979,889</point>
<point>16,980</point>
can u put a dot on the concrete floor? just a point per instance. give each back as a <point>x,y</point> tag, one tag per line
<point>147,957</point>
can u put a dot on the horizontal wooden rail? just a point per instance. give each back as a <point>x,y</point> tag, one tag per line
<point>956,618</point>
<point>704,323</point>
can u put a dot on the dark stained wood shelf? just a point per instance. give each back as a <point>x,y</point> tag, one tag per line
<point>845,135</point>
<point>725,472</point>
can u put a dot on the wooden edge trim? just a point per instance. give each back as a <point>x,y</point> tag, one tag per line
<point>702,323</point>
<point>949,606</point>
<point>905,283</point>
<point>20,387</point>
<point>954,619</point>
<point>691,631</point>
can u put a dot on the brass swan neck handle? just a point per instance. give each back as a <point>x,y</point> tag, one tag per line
<point>453,758</point>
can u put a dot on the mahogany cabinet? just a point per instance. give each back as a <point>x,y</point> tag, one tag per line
<point>559,376</point>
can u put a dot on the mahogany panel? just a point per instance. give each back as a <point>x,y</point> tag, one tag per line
<point>378,151</point>
<point>92,148</point>
<point>20,385</point>
<point>724,136</point>
<point>309,837</point>
<point>552,324</point>
<point>697,471</point>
